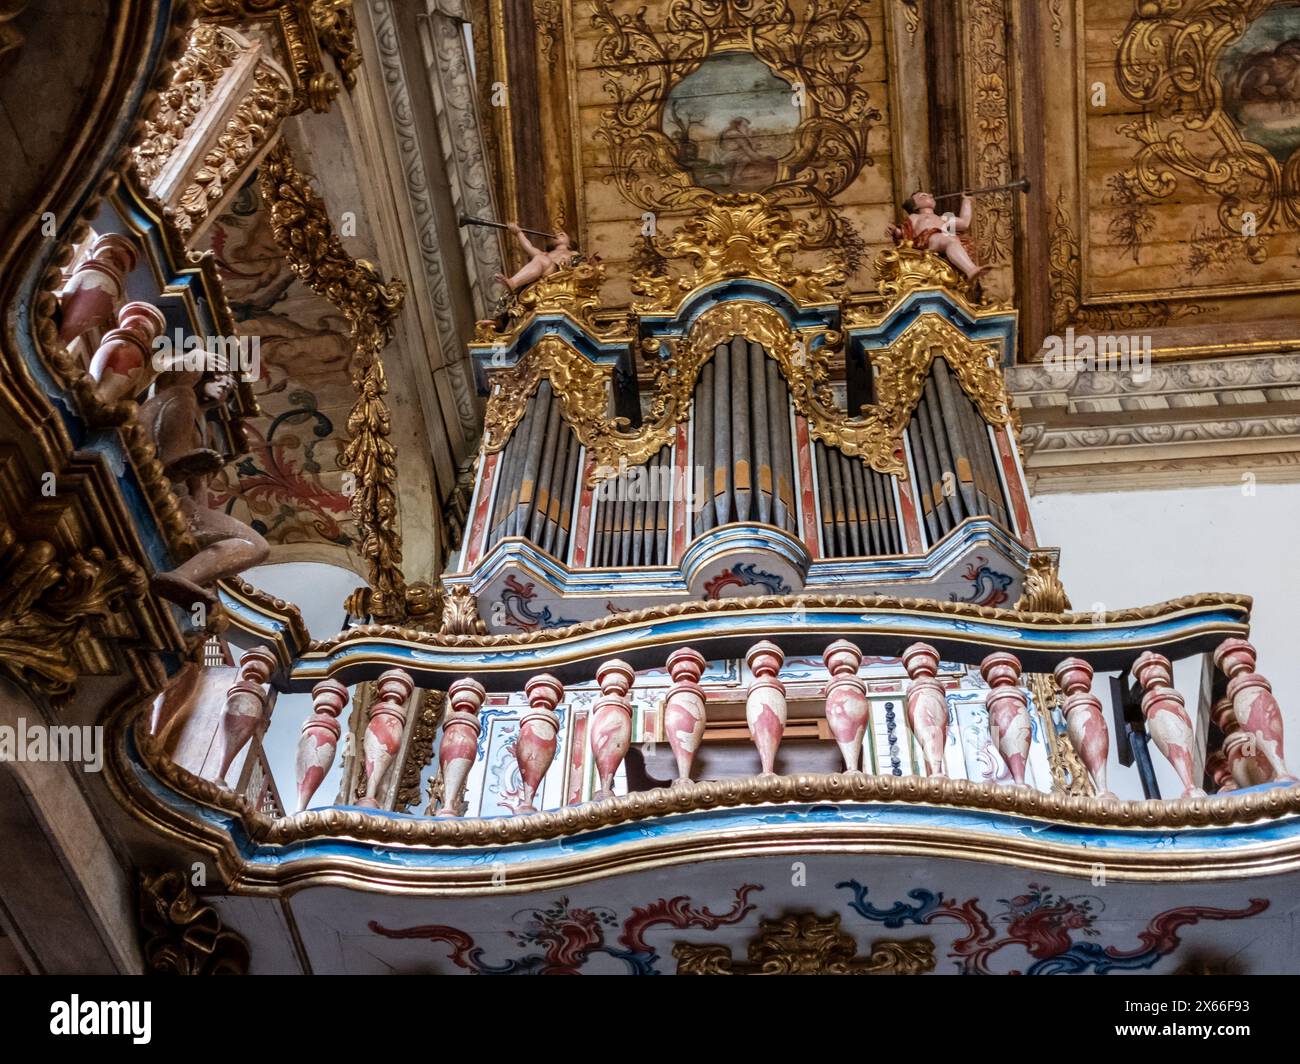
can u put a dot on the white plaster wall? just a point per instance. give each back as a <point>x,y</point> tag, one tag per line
<point>1137,548</point>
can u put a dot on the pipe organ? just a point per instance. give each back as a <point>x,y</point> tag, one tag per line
<point>742,442</point>
<point>699,446</point>
<point>953,460</point>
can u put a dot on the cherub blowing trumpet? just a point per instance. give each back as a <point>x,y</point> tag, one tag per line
<point>927,230</point>
<point>540,263</point>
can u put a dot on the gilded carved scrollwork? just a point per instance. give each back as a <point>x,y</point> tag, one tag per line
<point>582,387</point>
<point>304,30</point>
<point>819,45</point>
<point>209,53</point>
<point>807,944</point>
<point>1169,63</point>
<point>183,935</point>
<point>745,236</point>
<point>52,604</point>
<point>738,235</point>
<point>302,227</point>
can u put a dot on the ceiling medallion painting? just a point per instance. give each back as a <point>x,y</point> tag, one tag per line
<point>1221,83</point>
<point>734,96</point>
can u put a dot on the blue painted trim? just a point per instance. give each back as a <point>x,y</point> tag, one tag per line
<point>812,818</point>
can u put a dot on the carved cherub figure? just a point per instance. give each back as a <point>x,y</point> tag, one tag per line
<point>173,419</point>
<point>540,263</point>
<point>928,230</point>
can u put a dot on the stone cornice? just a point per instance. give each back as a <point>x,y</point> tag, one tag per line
<point>1201,422</point>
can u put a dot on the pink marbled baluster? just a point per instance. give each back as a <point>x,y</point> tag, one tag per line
<point>1008,707</point>
<point>1218,769</point>
<point>383,738</point>
<point>122,365</point>
<point>1167,720</point>
<point>538,735</point>
<point>927,706</point>
<point>765,708</point>
<point>848,710</point>
<point>319,738</point>
<point>1253,703</point>
<point>246,706</point>
<point>90,299</point>
<point>611,723</point>
<point>1084,722</point>
<point>1245,762</point>
<point>459,747</point>
<point>684,710</point>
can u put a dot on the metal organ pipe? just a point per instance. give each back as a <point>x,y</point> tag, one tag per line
<point>741,408</point>
<point>778,425</point>
<point>762,433</point>
<point>722,476</point>
<point>950,439</point>
<point>702,409</point>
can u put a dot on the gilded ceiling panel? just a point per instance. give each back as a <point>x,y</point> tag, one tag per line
<point>1177,201</point>
<point>678,102</point>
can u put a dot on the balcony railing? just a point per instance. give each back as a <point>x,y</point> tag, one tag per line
<point>1241,747</point>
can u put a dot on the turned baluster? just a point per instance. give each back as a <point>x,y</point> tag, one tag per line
<point>927,706</point>
<point>539,730</point>
<point>1245,763</point>
<point>319,739</point>
<point>90,299</point>
<point>459,747</point>
<point>384,732</point>
<point>1167,720</point>
<point>611,723</point>
<point>1253,703</point>
<point>684,711</point>
<point>123,363</point>
<point>1220,772</point>
<point>246,705</point>
<point>1008,707</point>
<point>765,708</point>
<point>1084,723</point>
<point>848,711</point>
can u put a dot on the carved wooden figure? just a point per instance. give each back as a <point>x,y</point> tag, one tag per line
<point>927,706</point>
<point>1253,703</point>
<point>246,705</point>
<point>848,710</point>
<point>540,263</point>
<point>1083,720</point>
<point>765,708</point>
<point>1167,720</point>
<point>611,723</point>
<point>684,709</point>
<point>459,747</point>
<point>1008,707</point>
<point>173,420</point>
<point>538,736</point>
<point>383,738</point>
<point>122,366</point>
<point>319,739</point>
<point>93,292</point>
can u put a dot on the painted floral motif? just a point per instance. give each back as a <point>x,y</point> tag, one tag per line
<point>989,587</point>
<point>750,575</point>
<point>1054,929</point>
<point>1044,925</point>
<point>279,480</point>
<point>561,940</point>
<point>517,598</point>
